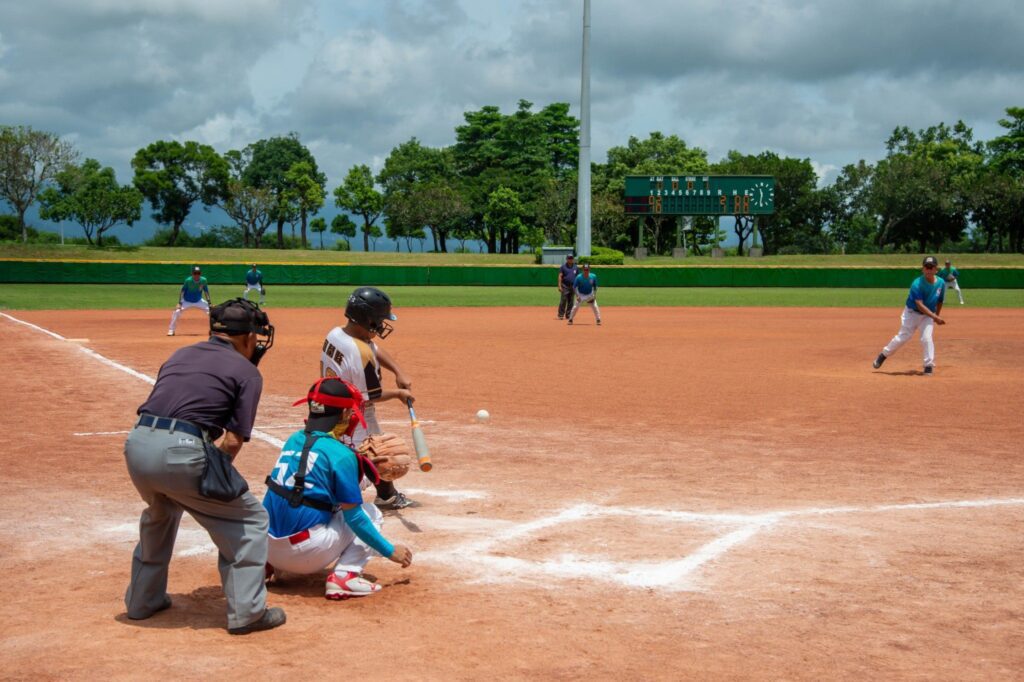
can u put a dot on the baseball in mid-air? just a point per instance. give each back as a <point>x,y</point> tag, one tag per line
<point>482,415</point>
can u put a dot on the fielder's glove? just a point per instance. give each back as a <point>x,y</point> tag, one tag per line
<point>389,454</point>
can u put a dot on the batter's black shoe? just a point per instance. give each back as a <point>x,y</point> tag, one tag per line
<point>878,361</point>
<point>270,619</point>
<point>397,501</point>
<point>928,371</point>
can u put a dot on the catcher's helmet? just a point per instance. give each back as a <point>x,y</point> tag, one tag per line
<point>327,399</point>
<point>370,308</point>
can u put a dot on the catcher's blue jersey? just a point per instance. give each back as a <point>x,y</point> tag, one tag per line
<point>332,476</point>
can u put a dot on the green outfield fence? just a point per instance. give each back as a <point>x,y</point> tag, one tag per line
<point>102,272</point>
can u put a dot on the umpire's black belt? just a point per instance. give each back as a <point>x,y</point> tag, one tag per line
<point>172,425</point>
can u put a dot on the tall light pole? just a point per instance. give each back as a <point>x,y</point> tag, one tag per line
<point>583,182</point>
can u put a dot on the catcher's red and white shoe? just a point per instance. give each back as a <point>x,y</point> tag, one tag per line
<point>349,585</point>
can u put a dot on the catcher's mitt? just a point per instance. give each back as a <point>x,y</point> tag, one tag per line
<point>389,454</point>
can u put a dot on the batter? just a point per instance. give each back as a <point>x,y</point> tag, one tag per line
<point>350,353</point>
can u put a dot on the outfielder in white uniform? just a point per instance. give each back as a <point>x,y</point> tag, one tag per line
<point>924,303</point>
<point>951,276</point>
<point>254,282</point>
<point>194,294</point>
<point>350,353</point>
<point>317,517</point>
<point>585,288</point>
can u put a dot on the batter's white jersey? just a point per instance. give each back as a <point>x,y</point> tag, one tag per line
<point>356,362</point>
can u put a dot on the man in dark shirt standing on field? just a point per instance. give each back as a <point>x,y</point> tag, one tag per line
<point>566,277</point>
<point>202,391</point>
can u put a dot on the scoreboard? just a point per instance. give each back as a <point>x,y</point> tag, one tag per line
<point>700,194</point>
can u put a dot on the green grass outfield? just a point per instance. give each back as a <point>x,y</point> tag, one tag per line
<point>264,256</point>
<point>140,296</point>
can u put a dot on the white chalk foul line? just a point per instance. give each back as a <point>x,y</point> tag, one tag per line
<point>276,442</point>
<point>257,433</point>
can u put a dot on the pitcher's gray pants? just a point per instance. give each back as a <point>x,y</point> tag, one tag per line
<point>165,468</point>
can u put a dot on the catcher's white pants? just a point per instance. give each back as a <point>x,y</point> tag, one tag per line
<point>327,543</point>
<point>909,322</point>
<point>253,287</point>
<point>185,305</point>
<point>589,299</point>
<point>955,286</point>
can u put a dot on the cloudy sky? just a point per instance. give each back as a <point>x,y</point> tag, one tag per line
<point>827,80</point>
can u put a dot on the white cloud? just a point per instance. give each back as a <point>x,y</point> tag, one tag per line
<point>825,80</point>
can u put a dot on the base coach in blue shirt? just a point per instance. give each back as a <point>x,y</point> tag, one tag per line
<point>202,392</point>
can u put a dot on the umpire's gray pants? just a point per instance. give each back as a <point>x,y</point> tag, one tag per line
<point>165,468</point>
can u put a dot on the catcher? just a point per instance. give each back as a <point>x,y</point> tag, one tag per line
<point>317,517</point>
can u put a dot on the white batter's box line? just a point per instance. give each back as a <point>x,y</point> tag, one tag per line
<point>454,495</point>
<point>676,574</point>
<point>259,435</point>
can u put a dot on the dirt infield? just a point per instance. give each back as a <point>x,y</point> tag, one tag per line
<point>728,493</point>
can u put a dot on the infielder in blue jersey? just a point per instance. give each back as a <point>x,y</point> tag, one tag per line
<point>319,518</point>
<point>254,282</point>
<point>585,288</point>
<point>194,294</point>
<point>924,303</point>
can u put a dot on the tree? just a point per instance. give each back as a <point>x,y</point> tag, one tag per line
<point>305,190</point>
<point>504,216</point>
<point>920,190</point>
<point>999,195</point>
<point>318,226</point>
<point>519,152</point>
<point>342,225</point>
<point>173,176</point>
<point>90,196</point>
<point>358,195</point>
<point>271,159</point>
<point>29,159</point>
<point>847,210</point>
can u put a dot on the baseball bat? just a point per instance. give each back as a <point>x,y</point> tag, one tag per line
<point>422,451</point>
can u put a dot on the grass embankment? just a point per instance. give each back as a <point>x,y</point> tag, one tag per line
<point>264,256</point>
<point>143,296</point>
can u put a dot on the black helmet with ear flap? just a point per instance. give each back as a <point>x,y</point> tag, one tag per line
<point>370,308</point>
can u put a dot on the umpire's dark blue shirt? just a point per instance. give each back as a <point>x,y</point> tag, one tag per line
<point>209,384</point>
<point>568,274</point>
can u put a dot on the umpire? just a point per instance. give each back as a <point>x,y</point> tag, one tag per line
<point>566,280</point>
<point>202,391</point>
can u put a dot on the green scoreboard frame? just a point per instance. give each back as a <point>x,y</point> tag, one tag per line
<point>690,195</point>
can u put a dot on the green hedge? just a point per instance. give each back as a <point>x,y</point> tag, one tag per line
<point>117,272</point>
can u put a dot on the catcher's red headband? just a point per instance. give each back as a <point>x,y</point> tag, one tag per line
<point>355,403</point>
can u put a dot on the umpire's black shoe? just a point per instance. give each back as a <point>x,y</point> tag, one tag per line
<point>878,361</point>
<point>164,605</point>
<point>270,619</point>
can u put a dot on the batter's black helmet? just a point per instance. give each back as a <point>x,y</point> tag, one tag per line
<point>370,308</point>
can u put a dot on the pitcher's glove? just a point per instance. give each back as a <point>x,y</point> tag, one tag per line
<point>389,454</point>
